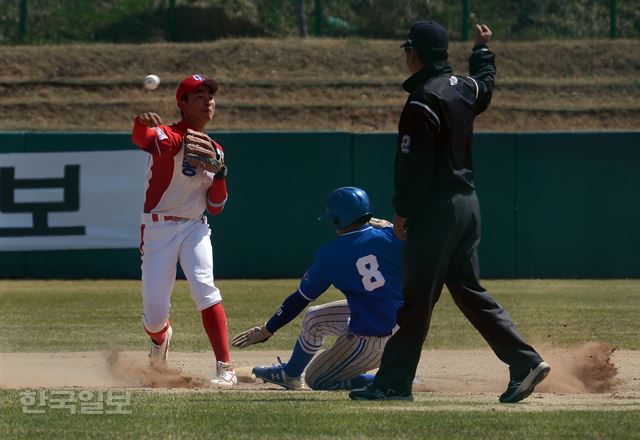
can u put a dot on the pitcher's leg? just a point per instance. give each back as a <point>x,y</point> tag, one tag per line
<point>159,259</point>
<point>196,259</point>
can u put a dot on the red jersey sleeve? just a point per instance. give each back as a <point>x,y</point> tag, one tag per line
<point>155,140</point>
<point>217,194</point>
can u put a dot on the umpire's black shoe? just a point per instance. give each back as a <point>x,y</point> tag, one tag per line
<point>371,392</point>
<point>521,387</point>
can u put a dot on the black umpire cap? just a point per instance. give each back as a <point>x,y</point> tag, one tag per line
<point>429,39</point>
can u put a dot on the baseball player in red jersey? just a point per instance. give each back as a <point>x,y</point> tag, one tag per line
<point>174,227</point>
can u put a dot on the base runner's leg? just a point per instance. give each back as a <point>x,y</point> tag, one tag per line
<point>342,366</point>
<point>196,259</point>
<point>331,319</point>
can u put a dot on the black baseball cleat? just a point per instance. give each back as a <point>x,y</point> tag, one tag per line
<point>371,392</point>
<point>521,387</point>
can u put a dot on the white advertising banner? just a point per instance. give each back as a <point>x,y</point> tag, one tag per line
<point>71,200</point>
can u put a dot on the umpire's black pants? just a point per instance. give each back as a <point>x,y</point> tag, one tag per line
<point>441,248</point>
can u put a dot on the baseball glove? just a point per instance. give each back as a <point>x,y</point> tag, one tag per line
<point>199,151</point>
<point>251,336</point>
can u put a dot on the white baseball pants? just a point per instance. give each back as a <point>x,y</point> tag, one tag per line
<point>350,356</point>
<point>163,244</point>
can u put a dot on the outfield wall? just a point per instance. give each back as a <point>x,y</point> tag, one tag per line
<point>554,204</point>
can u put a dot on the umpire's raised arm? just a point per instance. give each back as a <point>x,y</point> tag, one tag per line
<point>482,67</point>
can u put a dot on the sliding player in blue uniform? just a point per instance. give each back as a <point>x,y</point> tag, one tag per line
<point>365,263</point>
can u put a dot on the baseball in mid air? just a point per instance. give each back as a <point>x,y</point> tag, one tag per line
<point>151,82</point>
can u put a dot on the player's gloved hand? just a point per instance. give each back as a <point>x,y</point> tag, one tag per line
<point>199,151</point>
<point>380,223</point>
<point>251,336</point>
<point>222,174</point>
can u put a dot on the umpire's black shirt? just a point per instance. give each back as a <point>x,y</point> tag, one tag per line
<point>436,130</point>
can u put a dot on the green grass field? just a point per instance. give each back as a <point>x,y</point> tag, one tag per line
<point>53,316</point>
<point>248,415</point>
<point>76,315</point>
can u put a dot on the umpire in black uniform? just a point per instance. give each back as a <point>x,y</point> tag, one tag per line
<point>438,214</point>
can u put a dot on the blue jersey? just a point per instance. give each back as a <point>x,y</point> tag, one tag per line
<point>366,266</point>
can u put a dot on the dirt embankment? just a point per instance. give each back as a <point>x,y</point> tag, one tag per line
<point>314,84</point>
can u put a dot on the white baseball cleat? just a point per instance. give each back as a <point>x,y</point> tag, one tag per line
<point>225,376</point>
<point>159,354</point>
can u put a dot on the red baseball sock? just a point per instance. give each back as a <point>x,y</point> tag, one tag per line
<point>214,321</point>
<point>159,337</point>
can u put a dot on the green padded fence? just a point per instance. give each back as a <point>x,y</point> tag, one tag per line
<point>553,204</point>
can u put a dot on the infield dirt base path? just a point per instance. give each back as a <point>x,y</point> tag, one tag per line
<point>591,376</point>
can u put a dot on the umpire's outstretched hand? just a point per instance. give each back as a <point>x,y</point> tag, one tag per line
<point>483,34</point>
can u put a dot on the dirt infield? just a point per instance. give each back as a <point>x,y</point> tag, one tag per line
<point>591,375</point>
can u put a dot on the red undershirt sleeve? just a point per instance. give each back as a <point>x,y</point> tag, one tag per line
<point>217,196</point>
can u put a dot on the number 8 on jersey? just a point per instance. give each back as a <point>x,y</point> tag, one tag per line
<point>371,277</point>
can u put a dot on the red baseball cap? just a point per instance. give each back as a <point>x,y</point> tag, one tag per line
<point>191,83</point>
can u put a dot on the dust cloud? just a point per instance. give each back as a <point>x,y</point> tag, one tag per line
<point>585,369</point>
<point>141,373</point>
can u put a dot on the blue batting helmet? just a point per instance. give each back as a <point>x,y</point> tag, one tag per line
<point>346,205</point>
